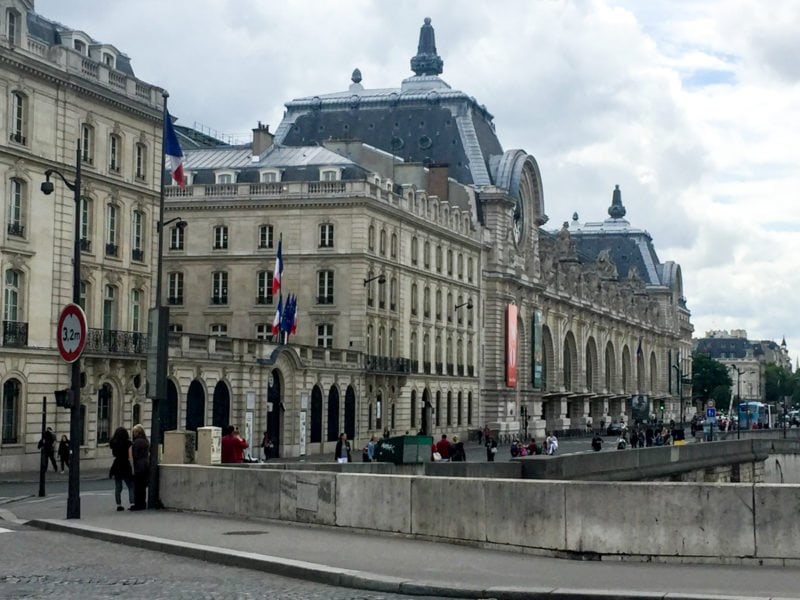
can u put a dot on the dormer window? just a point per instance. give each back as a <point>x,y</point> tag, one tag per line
<point>225,178</point>
<point>80,47</point>
<point>12,27</point>
<point>329,175</point>
<point>108,60</point>
<point>270,176</point>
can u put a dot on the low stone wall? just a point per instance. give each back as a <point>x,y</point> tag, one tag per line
<point>736,460</point>
<point>607,520</point>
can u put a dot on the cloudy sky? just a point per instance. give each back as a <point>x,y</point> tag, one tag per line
<point>691,106</point>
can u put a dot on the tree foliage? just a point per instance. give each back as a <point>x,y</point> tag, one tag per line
<point>710,378</point>
<point>779,383</point>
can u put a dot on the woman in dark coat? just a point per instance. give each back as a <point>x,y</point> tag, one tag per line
<point>121,470</point>
<point>140,459</point>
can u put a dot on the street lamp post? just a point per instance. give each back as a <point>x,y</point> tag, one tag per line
<point>739,400</point>
<point>75,426</point>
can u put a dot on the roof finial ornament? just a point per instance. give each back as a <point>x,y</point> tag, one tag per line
<point>356,76</point>
<point>616,210</point>
<point>427,61</point>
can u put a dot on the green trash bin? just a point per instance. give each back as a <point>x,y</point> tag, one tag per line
<point>405,449</point>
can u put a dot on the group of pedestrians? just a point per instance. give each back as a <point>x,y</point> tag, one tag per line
<point>131,466</point>
<point>48,444</point>
<point>641,437</point>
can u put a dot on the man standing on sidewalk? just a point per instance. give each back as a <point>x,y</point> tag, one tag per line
<point>233,446</point>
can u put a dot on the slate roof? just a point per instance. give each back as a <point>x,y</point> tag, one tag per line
<point>628,247</point>
<point>299,163</point>
<point>423,121</point>
<point>50,32</point>
<point>728,347</point>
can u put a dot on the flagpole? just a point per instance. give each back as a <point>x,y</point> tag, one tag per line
<point>157,329</point>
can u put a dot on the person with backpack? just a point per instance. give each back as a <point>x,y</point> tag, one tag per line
<point>491,448</point>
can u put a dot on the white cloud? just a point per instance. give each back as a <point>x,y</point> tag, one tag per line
<point>692,106</point>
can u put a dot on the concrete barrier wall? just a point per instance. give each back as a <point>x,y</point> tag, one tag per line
<point>661,521</point>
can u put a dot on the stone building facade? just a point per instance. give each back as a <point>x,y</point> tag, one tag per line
<point>58,86</point>
<point>430,295</point>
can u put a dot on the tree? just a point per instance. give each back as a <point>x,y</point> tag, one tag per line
<point>710,379</point>
<point>778,383</point>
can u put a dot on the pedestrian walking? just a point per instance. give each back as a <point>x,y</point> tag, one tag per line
<point>597,442</point>
<point>443,447</point>
<point>140,460</point>
<point>491,447</point>
<point>342,452</point>
<point>459,454</point>
<point>552,447</point>
<point>121,469</point>
<point>48,442</point>
<point>266,446</point>
<point>64,452</point>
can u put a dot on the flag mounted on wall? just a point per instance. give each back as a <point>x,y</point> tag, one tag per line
<point>172,151</point>
<point>276,276</point>
<point>276,322</point>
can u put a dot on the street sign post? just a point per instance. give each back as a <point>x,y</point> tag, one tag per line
<point>71,332</point>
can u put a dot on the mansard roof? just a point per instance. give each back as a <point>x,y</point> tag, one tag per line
<point>424,121</point>
<point>51,33</point>
<point>629,248</point>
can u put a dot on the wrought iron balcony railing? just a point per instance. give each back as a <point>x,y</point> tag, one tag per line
<point>86,245</point>
<point>387,364</point>
<point>16,229</point>
<point>113,341</point>
<point>111,249</point>
<point>15,333</point>
<point>175,300</point>
<point>137,255</point>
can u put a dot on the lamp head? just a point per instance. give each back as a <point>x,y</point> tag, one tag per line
<point>469,305</point>
<point>381,278</point>
<point>47,186</point>
<point>181,225</point>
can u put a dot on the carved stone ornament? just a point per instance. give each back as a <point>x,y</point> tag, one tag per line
<point>18,170</point>
<point>89,120</point>
<point>18,261</point>
<point>566,245</point>
<point>87,273</point>
<point>113,277</point>
<point>605,265</point>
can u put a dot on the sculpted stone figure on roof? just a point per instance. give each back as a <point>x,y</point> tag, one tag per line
<point>606,266</point>
<point>566,245</point>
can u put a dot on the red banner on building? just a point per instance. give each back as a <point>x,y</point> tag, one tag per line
<point>511,345</point>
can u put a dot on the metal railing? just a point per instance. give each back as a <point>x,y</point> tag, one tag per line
<point>113,341</point>
<point>16,229</point>
<point>15,333</point>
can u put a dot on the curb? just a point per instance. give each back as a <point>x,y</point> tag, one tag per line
<point>361,580</point>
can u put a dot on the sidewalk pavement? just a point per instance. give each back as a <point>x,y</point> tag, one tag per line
<point>399,564</point>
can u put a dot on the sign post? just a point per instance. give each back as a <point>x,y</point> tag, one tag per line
<point>711,419</point>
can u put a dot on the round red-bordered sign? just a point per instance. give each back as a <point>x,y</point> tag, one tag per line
<point>71,332</point>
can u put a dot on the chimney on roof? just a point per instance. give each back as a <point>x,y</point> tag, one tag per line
<point>262,139</point>
<point>438,183</point>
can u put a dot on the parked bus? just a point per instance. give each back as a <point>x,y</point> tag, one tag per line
<point>755,415</point>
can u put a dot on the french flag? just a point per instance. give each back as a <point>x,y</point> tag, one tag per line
<point>172,151</point>
<point>276,322</point>
<point>294,319</point>
<point>276,276</point>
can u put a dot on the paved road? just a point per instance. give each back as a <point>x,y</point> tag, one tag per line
<point>41,564</point>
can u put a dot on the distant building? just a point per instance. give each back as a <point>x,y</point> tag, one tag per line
<point>744,358</point>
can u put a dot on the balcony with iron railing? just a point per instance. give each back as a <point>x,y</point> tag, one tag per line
<point>112,249</point>
<point>86,245</point>
<point>221,299</point>
<point>137,255</point>
<point>15,334</point>
<point>112,341</point>
<point>16,229</point>
<point>18,138</point>
<point>387,364</point>
<point>263,299</point>
<point>327,299</point>
<point>175,300</point>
